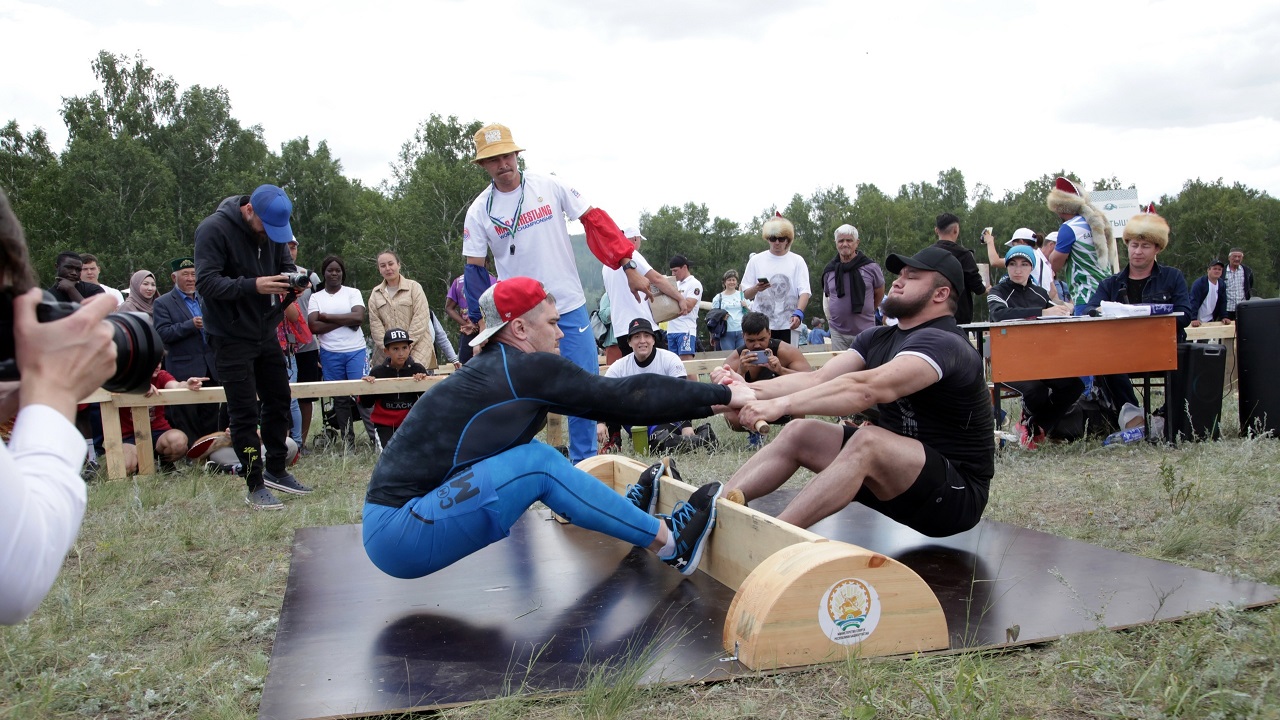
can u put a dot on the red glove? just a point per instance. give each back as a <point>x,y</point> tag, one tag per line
<point>604,238</point>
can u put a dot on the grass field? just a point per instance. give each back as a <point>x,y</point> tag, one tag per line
<point>167,605</point>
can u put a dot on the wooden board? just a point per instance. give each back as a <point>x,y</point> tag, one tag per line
<point>1041,349</point>
<point>353,642</point>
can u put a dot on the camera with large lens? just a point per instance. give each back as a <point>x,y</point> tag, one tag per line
<point>298,281</point>
<point>139,348</point>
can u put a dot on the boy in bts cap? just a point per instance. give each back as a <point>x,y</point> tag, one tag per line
<point>389,411</point>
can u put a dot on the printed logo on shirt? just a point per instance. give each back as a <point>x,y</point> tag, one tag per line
<point>466,234</point>
<point>536,216</point>
<point>575,192</point>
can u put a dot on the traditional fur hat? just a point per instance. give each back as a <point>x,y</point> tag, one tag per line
<point>1066,197</point>
<point>778,226</point>
<point>1148,226</point>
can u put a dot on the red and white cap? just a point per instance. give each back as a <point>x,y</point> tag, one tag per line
<point>505,301</point>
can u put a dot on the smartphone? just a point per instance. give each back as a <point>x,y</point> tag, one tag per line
<point>763,281</point>
<point>762,357</point>
<point>985,232</point>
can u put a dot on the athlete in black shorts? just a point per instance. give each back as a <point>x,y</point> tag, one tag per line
<point>928,461</point>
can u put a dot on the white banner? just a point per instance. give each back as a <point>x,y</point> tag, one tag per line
<point>1118,206</point>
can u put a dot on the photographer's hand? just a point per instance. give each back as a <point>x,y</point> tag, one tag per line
<point>62,361</point>
<point>271,284</point>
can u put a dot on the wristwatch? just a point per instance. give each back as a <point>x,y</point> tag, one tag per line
<point>629,264</point>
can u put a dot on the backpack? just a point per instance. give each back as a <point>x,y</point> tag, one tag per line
<point>599,328</point>
<point>717,323</point>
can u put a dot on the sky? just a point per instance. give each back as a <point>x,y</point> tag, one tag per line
<point>738,104</point>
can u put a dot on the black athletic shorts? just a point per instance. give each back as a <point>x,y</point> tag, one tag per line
<point>941,502</point>
<point>308,366</point>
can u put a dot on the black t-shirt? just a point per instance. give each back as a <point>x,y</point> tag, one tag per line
<point>1135,288</point>
<point>500,399</point>
<point>953,415</point>
<point>86,290</point>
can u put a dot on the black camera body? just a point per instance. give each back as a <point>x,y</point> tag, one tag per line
<point>139,348</point>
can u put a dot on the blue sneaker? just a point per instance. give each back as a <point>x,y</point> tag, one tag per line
<point>753,440</point>
<point>644,492</point>
<point>690,523</point>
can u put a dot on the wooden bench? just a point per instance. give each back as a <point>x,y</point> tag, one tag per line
<point>137,404</point>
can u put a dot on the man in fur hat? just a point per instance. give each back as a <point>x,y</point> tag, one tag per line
<point>1143,281</point>
<point>1085,237</point>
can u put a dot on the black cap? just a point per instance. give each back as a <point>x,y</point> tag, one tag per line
<point>931,258</point>
<point>679,261</point>
<point>395,335</point>
<point>640,325</point>
<point>1219,263</point>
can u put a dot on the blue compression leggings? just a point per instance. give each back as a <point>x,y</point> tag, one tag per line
<point>478,506</point>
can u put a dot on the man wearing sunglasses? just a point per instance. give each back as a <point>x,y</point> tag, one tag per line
<point>777,282</point>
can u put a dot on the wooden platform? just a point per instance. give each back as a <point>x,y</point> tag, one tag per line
<point>540,610</point>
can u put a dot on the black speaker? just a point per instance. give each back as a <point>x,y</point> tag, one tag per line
<point>1257,349</point>
<point>1193,393</point>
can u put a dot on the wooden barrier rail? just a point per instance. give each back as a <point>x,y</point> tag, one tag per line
<point>137,404</point>
<point>790,582</point>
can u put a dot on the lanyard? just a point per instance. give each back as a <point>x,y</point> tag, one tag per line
<point>515,219</point>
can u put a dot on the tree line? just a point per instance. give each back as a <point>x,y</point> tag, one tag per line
<point>147,160</point>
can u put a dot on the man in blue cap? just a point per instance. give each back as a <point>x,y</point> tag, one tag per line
<point>242,264</point>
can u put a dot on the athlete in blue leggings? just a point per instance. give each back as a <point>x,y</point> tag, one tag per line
<point>465,464</point>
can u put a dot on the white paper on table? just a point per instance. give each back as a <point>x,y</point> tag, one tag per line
<point>1115,309</point>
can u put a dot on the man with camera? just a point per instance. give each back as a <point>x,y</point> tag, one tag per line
<point>242,265</point>
<point>42,497</point>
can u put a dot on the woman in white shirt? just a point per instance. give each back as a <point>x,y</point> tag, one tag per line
<point>335,313</point>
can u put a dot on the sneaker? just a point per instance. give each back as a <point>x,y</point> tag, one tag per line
<point>644,492</point>
<point>262,499</point>
<point>690,523</point>
<point>285,483</point>
<point>753,440</point>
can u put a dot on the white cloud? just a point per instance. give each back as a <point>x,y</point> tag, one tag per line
<point>738,105</point>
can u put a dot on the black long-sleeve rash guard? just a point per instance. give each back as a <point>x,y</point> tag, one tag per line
<point>500,400</point>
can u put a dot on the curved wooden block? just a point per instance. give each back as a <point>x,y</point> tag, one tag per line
<point>798,602</point>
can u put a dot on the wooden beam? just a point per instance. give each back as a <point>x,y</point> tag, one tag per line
<point>801,599</point>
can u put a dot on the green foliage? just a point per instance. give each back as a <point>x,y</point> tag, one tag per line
<point>148,160</point>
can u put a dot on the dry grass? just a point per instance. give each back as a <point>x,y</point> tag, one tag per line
<point>167,606</point>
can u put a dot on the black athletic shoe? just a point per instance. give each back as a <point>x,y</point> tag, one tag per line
<point>262,499</point>
<point>644,492</point>
<point>285,483</point>
<point>690,523</point>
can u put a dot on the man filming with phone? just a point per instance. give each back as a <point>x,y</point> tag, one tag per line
<point>762,357</point>
<point>42,497</point>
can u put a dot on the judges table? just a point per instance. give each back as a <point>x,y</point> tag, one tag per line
<point>1046,348</point>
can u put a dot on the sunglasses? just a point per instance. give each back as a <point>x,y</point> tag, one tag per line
<point>777,238</point>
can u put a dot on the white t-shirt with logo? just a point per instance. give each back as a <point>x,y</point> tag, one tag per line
<point>623,306</point>
<point>540,247</point>
<point>664,362</point>
<point>788,279</point>
<point>344,339</point>
<point>687,323</point>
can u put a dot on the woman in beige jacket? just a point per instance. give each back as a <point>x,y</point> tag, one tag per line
<point>398,302</point>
